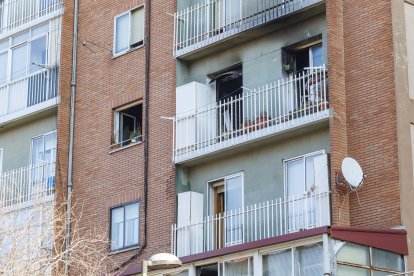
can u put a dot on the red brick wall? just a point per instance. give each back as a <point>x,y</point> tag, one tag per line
<point>101,179</point>
<point>368,132</point>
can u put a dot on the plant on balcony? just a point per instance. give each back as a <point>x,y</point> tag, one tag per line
<point>288,67</point>
<point>262,121</point>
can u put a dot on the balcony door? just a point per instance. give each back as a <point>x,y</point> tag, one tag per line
<point>229,95</point>
<point>306,178</point>
<point>226,199</point>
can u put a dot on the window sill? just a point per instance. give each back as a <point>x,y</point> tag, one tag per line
<point>127,51</point>
<point>124,250</point>
<point>126,147</point>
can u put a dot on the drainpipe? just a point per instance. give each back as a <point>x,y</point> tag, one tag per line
<point>146,121</point>
<point>71,131</point>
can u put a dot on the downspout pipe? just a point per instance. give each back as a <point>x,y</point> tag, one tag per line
<point>71,135</point>
<point>146,121</point>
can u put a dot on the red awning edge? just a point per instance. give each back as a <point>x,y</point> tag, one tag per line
<point>387,239</point>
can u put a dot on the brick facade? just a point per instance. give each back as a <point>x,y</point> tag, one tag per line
<point>363,125</point>
<point>103,179</point>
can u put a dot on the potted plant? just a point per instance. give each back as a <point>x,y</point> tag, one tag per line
<point>288,67</point>
<point>135,136</point>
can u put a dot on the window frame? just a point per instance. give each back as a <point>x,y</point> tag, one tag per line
<point>296,158</point>
<point>27,41</point>
<point>117,118</point>
<point>43,136</point>
<point>129,12</point>
<point>123,232</point>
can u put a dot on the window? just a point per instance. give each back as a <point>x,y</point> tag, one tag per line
<point>304,54</point>
<point>304,260</point>
<point>129,30</point>
<point>306,191</point>
<point>124,226</point>
<point>353,259</point>
<point>43,156</point>
<point>23,54</point>
<point>127,126</point>
<point>43,149</point>
<point>226,200</point>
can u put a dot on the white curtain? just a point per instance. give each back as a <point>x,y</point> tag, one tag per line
<point>309,260</point>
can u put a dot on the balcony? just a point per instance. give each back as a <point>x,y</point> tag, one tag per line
<point>212,21</point>
<point>31,94</point>
<point>283,105</point>
<point>27,185</point>
<point>251,223</point>
<point>16,15</point>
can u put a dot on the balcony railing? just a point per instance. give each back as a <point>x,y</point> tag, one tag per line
<point>252,223</point>
<point>19,14</point>
<point>29,91</point>
<point>26,184</point>
<point>296,101</point>
<point>213,20</point>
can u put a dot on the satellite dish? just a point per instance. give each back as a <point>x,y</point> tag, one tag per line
<point>352,172</point>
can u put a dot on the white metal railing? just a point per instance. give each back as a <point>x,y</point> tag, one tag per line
<point>212,20</point>
<point>16,14</point>
<point>26,184</point>
<point>252,223</point>
<point>296,100</point>
<point>29,91</point>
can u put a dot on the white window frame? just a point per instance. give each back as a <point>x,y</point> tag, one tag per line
<point>285,168</point>
<point>39,136</point>
<point>27,41</point>
<point>114,53</point>
<point>123,232</point>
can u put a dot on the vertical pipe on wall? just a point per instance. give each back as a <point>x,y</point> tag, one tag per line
<point>71,132</point>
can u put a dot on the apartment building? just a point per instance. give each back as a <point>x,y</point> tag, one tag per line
<point>30,33</point>
<point>271,97</point>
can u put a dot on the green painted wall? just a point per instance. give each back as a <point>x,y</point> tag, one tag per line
<point>262,167</point>
<point>261,57</point>
<point>16,141</point>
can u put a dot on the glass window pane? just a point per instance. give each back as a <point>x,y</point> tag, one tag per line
<point>50,148</point>
<point>387,260</point>
<point>353,253</point>
<point>278,263</point>
<point>37,150</point>
<point>4,44</point>
<point>19,62</point>
<point>137,26</point>
<point>131,211</point>
<point>37,54</point>
<point>343,270</point>
<point>3,68</point>
<point>309,260</point>
<point>317,55</point>
<point>20,38</point>
<point>310,171</point>
<point>234,193</point>
<point>239,267</point>
<point>295,173</point>
<point>117,228</point>
<point>40,30</point>
<point>122,33</point>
